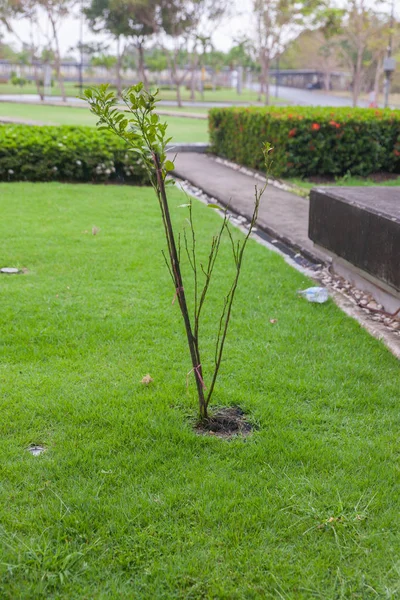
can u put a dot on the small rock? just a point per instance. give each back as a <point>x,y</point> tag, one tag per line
<point>363,302</point>
<point>35,450</point>
<point>395,325</point>
<point>372,305</point>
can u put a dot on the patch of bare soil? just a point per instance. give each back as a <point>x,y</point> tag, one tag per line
<point>227,422</point>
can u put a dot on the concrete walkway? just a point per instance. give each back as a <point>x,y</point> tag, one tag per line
<point>282,214</point>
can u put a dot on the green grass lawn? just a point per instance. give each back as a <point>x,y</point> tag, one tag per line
<point>221,95</point>
<point>127,501</point>
<point>182,129</point>
<point>30,88</point>
<point>307,184</point>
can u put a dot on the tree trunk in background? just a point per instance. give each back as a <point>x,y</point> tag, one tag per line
<point>327,80</point>
<point>39,86</point>
<point>57,57</point>
<point>357,76</point>
<point>261,88</point>
<point>193,69</point>
<point>265,65</point>
<point>142,70</point>
<point>176,79</point>
<point>378,74</point>
<point>178,95</point>
<point>118,68</point>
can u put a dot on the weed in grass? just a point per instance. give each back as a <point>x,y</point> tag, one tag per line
<point>48,561</point>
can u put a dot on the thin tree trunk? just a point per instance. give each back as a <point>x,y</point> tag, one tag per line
<point>357,77</point>
<point>266,78</point>
<point>327,81</point>
<point>193,347</point>
<point>57,57</point>
<point>142,69</point>
<point>177,80</point>
<point>39,88</point>
<point>178,94</point>
<point>193,75</point>
<point>118,68</point>
<point>378,74</point>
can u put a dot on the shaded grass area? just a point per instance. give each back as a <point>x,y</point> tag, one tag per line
<point>182,129</point>
<point>127,501</point>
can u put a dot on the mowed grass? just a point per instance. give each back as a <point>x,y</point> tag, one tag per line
<point>347,180</point>
<point>182,129</point>
<point>127,501</point>
<point>219,95</point>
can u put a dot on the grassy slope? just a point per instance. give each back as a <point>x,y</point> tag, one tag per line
<point>182,129</point>
<point>128,502</point>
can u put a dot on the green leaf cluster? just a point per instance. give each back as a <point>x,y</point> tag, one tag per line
<point>132,119</point>
<point>65,153</point>
<point>309,140</point>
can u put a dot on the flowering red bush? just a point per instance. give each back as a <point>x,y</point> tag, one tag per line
<point>309,140</point>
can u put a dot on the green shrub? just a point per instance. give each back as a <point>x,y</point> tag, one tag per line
<point>33,153</point>
<point>309,140</point>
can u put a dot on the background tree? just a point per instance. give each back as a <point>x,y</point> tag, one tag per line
<point>185,23</point>
<point>276,23</point>
<point>156,62</point>
<point>365,31</point>
<point>56,11</point>
<point>128,22</point>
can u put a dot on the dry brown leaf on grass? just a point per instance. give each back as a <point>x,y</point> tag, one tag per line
<point>95,230</point>
<point>147,379</point>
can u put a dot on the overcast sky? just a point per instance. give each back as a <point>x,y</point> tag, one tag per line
<point>234,26</point>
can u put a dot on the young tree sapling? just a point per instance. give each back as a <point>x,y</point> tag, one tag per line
<point>146,135</point>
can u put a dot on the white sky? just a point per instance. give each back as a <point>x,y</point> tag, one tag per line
<point>235,26</point>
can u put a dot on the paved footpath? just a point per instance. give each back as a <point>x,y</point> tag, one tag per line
<point>282,214</point>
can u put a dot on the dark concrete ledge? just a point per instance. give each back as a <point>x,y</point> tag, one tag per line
<point>360,225</point>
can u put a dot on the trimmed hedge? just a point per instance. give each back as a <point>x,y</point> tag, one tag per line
<point>65,153</point>
<point>309,140</point>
